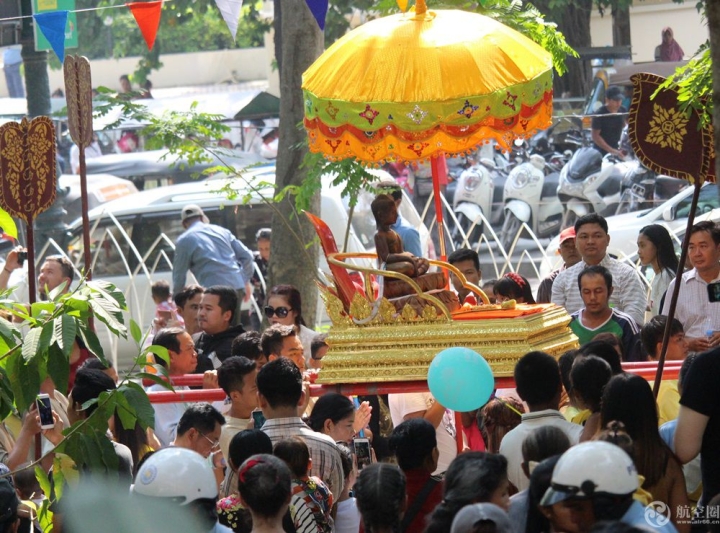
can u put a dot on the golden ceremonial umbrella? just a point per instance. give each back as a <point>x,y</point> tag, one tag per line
<point>422,84</point>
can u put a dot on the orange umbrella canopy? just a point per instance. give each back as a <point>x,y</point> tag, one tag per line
<point>410,86</point>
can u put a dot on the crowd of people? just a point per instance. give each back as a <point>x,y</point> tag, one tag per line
<point>579,445</point>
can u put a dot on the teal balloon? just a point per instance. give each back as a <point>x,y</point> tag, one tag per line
<point>460,379</point>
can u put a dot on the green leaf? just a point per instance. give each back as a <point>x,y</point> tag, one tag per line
<point>91,341</point>
<point>8,331</point>
<point>135,332</point>
<point>109,314</point>
<point>8,224</point>
<point>158,380</point>
<point>58,367</point>
<point>125,412</point>
<point>38,308</point>
<point>106,402</point>
<point>24,380</point>
<point>65,331</point>
<point>160,351</point>
<point>139,401</point>
<point>31,344</point>
<point>109,292</point>
<point>6,395</point>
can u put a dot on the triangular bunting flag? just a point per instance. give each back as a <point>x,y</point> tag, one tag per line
<point>230,11</point>
<point>52,25</point>
<point>319,9</point>
<point>147,16</point>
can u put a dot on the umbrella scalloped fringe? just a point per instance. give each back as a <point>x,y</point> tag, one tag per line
<point>392,143</point>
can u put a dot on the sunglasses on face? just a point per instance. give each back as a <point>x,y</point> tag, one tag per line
<point>280,312</point>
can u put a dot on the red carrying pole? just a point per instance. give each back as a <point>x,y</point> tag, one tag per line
<point>439,174</point>
<point>644,369</point>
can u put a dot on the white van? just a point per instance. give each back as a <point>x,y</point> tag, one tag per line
<point>133,238</point>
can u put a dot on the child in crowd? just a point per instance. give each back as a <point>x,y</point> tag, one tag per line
<point>589,375</point>
<point>498,417</point>
<point>31,498</point>
<point>541,443</point>
<point>264,482</point>
<point>381,500</point>
<point>488,288</point>
<point>513,286</point>
<point>231,511</point>
<point>668,398</point>
<point>166,314</point>
<point>347,518</point>
<point>311,500</point>
<point>473,477</point>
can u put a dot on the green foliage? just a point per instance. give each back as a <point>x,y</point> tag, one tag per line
<point>52,328</point>
<point>184,133</point>
<point>348,173</point>
<point>694,85</point>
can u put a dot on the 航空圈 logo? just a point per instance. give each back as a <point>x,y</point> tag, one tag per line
<point>657,514</point>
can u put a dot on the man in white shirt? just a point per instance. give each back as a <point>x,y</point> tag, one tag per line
<point>537,380</point>
<point>699,316</point>
<point>183,360</point>
<point>236,376</point>
<point>422,405</point>
<point>592,240</point>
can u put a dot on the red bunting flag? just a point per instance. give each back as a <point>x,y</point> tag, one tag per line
<point>147,16</point>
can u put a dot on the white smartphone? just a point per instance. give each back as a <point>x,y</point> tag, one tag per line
<point>45,411</point>
<point>363,454</point>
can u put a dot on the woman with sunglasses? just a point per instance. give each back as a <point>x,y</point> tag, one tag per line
<point>284,306</point>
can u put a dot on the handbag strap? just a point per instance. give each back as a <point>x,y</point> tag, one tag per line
<point>418,502</point>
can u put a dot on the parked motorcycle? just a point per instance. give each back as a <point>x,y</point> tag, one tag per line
<point>590,183</point>
<point>644,189</point>
<point>530,197</point>
<point>478,192</point>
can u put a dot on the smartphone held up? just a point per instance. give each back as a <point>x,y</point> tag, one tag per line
<point>45,411</point>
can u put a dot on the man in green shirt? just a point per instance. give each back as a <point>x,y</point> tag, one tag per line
<point>595,283</point>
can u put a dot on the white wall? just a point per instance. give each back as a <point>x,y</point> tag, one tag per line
<point>647,19</point>
<point>198,68</point>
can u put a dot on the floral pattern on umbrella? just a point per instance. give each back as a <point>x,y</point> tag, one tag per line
<point>416,85</point>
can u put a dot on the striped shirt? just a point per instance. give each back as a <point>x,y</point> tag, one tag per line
<point>619,324</point>
<point>324,454</point>
<point>694,310</point>
<point>628,295</point>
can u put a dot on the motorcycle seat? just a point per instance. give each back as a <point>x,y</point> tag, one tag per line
<point>550,185</point>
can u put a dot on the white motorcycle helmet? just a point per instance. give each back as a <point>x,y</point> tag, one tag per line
<point>589,469</point>
<point>176,473</point>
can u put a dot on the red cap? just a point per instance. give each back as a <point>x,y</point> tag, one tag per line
<point>567,233</point>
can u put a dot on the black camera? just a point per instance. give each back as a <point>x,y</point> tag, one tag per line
<point>21,257</point>
<point>714,291</point>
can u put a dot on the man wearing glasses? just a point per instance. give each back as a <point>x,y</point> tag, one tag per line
<point>199,430</point>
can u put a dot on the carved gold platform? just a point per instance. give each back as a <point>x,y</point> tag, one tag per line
<point>401,348</point>
<point>374,339</point>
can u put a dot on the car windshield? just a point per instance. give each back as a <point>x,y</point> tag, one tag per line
<point>707,201</point>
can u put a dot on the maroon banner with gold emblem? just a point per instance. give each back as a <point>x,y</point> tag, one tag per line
<point>27,167</point>
<point>666,139</point>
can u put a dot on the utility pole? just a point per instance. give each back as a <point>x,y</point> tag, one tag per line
<point>37,83</point>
